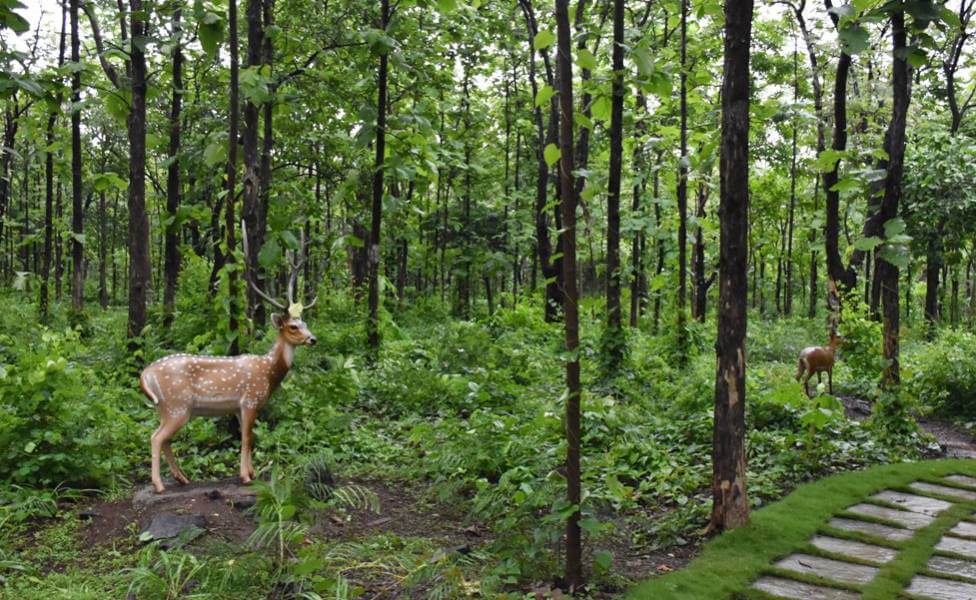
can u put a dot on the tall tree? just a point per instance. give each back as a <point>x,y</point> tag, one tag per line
<point>231,180</point>
<point>730,504</point>
<point>682,334</point>
<point>373,323</point>
<point>574,565</point>
<point>252,174</point>
<point>888,271</point>
<point>140,267</point>
<point>173,191</point>
<point>614,337</point>
<point>49,172</point>
<point>77,215</point>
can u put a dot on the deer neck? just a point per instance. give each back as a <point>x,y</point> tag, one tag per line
<point>282,354</point>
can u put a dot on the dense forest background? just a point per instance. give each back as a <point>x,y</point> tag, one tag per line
<point>482,213</point>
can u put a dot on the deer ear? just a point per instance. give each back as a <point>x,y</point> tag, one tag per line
<point>277,320</point>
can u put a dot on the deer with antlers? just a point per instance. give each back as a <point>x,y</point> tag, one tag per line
<point>185,385</point>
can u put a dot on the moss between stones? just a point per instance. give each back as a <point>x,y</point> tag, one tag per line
<point>730,563</point>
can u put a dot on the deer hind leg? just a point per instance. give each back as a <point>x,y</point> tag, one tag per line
<point>167,428</point>
<point>247,416</point>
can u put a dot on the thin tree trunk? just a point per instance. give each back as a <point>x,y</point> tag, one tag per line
<point>231,184</point>
<point>888,272</point>
<point>173,191</point>
<point>730,506</point>
<point>373,324</point>
<point>49,177</point>
<point>682,334</point>
<point>77,216</point>
<point>638,282</point>
<point>574,567</point>
<point>102,251</point>
<point>252,179</point>
<point>615,339</point>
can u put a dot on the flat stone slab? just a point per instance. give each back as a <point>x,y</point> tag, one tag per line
<point>868,552</point>
<point>965,529</point>
<point>957,546</point>
<point>953,566</point>
<point>237,495</point>
<point>941,589</point>
<point>828,568</point>
<point>963,479</point>
<point>905,518</point>
<point>787,588</point>
<point>942,490</point>
<point>167,526</point>
<point>875,529</point>
<point>919,504</point>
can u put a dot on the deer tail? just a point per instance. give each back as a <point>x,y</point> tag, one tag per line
<point>150,387</point>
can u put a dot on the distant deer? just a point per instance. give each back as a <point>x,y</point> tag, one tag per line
<point>184,385</point>
<point>818,359</point>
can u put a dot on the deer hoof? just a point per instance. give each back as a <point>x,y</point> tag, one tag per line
<point>182,479</point>
<point>159,488</point>
<point>245,479</point>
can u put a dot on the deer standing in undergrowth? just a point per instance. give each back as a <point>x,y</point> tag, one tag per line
<point>818,359</point>
<point>185,385</point>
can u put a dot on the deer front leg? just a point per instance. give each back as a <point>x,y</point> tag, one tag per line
<point>248,416</point>
<point>167,428</point>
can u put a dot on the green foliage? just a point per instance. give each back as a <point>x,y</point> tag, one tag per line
<point>941,374</point>
<point>53,428</point>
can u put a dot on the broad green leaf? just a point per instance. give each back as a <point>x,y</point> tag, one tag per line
<point>867,244</point>
<point>544,95</point>
<point>543,39</point>
<point>552,153</point>
<point>854,39</point>
<point>601,108</point>
<point>585,59</point>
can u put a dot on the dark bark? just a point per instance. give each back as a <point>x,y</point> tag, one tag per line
<point>933,264</point>
<point>615,346</point>
<point>102,252</point>
<point>574,567</point>
<point>231,183</point>
<point>11,123</point>
<point>682,334</point>
<point>702,282</point>
<point>267,143</point>
<point>252,181</point>
<point>49,176</point>
<point>140,267</point>
<point>171,265</point>
<point>659,269</point>
<point>638,279</point>
<point>373,323</point>
<point>730,506</point>
<point>77,214</point>
<point>788,299</point>
<point>546,134</point>
<point>887,272</point>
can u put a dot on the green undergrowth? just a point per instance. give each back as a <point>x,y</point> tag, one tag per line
<point>730,563</point>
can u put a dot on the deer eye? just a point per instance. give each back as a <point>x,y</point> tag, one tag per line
<point>294,327</point>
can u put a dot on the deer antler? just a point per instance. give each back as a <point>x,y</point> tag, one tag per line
<point>254,286</point>
<point>296,261</point>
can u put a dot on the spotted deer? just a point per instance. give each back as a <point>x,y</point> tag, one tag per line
<point>818,359</point>
<point>185,385</point>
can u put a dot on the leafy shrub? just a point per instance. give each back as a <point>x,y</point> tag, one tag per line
<point>941,374</point>
<point>54,418</point>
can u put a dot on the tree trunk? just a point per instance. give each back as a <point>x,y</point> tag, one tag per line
<point>231,184</point>
<point>172,252</point>
<point>888,273</point>
<point>140,267</point>
<point>77,216</point>
<point>682,334</point>
<point>730,507</point>
<point>788,299</point>
<point>252,179</point>
<point>49,178</point>
<point>702,283</point>
<point>574,567</point>
<point>638,280</point>
<point>102,251</point>
<point>373,324</point>
<point>614,336</point>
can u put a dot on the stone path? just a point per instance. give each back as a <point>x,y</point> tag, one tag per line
<point>835,567</point>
